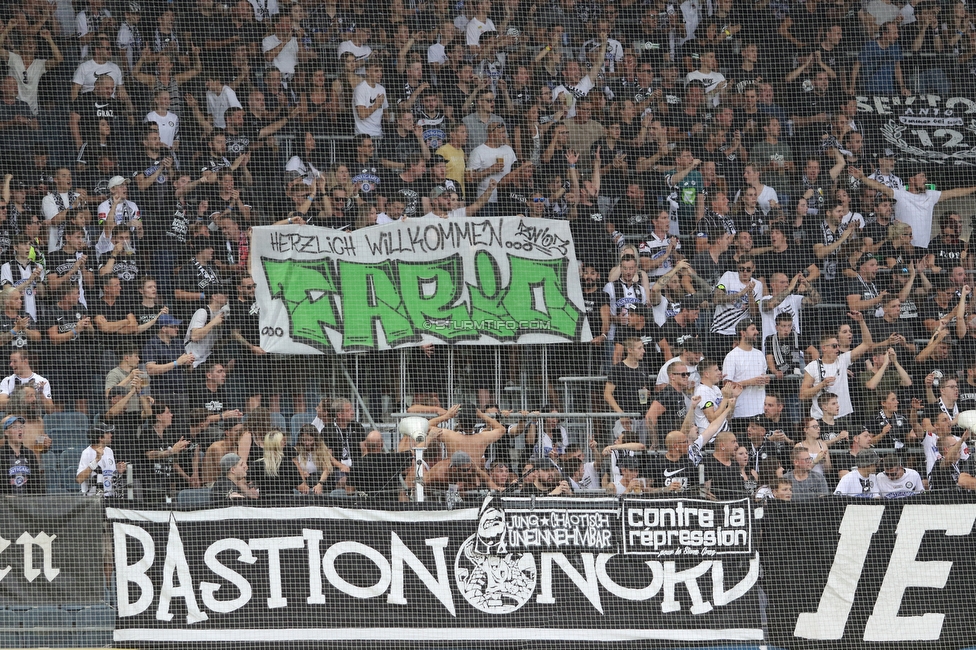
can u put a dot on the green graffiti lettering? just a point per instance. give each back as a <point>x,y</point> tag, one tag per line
<point>305,289</point>
<point>370,293</point>
<point>550,275</point>
<point>487,309</point>
<point>431,291</point>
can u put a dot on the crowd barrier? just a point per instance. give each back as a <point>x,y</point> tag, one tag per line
<point>508,571</point>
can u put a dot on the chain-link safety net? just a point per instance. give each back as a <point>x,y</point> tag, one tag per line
<point>523,324</point>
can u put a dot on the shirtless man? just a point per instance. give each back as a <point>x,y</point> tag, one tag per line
<point>473,444</point>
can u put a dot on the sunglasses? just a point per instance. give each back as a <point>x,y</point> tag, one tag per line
<point>539,200</point>
<point>681,374</point>
<point>746,269</point>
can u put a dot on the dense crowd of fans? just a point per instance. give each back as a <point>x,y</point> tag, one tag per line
<point>764,279</point>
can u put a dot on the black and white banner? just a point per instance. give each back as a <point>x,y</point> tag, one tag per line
<point>514,571</point>
<point>924,128</point>
<point>51,550</point>
<point>843,573</point>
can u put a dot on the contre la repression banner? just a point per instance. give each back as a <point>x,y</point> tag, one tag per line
<point>493,280</point>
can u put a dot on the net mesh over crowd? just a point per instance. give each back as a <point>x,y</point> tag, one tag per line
<point>511,323</point>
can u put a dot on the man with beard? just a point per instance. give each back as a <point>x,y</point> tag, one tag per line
<point>365,166</point>
<point>165,359</point>
<point>26,402</point>
<point>60,206</point>
<point>409,185</point>
<point>670,406</point>
<point>621,294</point>
<point>154,165</point>
<point>403,144</point>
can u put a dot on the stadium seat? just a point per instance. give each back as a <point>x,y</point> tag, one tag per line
<point>297,421</point>
<point>52,478</point>
<point>66,420</point>
<point>194,497</point>
<point>68,469</point>
<point>94,626</point>
<point>12,623</point>
<point>66,429</point>
<point>279,422</point>
<point>50,626</point>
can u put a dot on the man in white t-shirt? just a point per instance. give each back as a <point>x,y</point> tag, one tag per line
<point>369,102</point>
<point>864,482</point>
<point>575,85</point>
<point>736,297</point>
<point>27,69</point>
<point>356,45</point>
<point>282,48</point>
<point>614,52</point>
<point>916,205</point>
<point>100,64</point>
<point>710,392</point>
<point>126,212</point>
<point>129,40</point>
<point>204,329</point>
<point>20,363</point>
<point>491,160</point>
<point>829,373</point>
<point>746,366</point>
<point>264,9</point>
<point>445,204</point>
<point>220,97</point>
<point>59,205</point>
<point>708,75</point>
<point>97,469</point>
<point>167,122</point>
<point>783,300</point>
<point>897,481</point>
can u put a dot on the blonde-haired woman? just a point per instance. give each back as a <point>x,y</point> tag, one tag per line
<point>277,475</point>
<point>898,250</point>
<point>314,461</point>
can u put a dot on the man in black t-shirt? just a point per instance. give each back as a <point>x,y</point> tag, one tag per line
<point>669,408</point>
<point>69,332</point>
<point>212,396</point>
<point>71,265</point>
<point>115,323</point>
<point>196,278</point>
<point>784,258</point>
<point>90,111</point>
<point>677,469</point>
<point>626,389</point>
<point>722,475</point>
<point>409,185</point>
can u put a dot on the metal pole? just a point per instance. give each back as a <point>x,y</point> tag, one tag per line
<point>545,374</point>
<point>358,398</point>
<point>419,473</point>
<point>450,375</point>
<point>498,374</point>
<point>403,379</point>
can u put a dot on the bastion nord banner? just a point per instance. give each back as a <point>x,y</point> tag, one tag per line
<point>576,572</point>
<point>496,280</point>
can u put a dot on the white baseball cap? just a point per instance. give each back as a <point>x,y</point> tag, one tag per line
<point>115,181</point>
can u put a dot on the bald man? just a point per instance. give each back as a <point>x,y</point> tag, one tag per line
<point>722,475</point>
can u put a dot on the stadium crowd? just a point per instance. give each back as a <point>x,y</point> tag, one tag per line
<point>765,279</point>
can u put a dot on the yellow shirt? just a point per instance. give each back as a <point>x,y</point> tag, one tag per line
<point>456,163</point>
